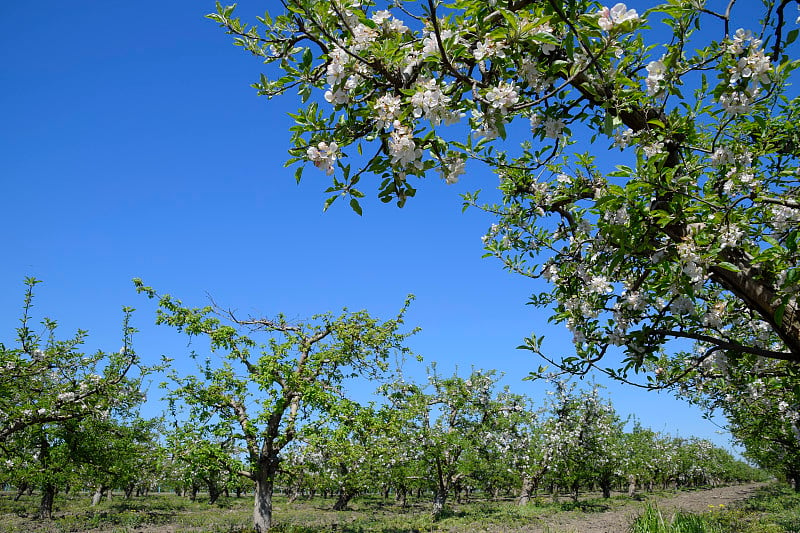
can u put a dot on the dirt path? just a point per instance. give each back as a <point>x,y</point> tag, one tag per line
<point>617,521</point>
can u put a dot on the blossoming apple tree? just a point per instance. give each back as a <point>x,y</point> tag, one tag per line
<point>692,237</point>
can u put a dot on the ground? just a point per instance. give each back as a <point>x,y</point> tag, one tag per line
<point>617,520</point>
<point>167,513</point>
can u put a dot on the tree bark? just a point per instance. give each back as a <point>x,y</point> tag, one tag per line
<point>264,477</point>
<point>21,489</point>
<point>46,503</point>
<point>439,499</point>
<point>631,486</point>
<point>262,506</point>
<point>401,495</point>
<point>526,491</point>
<point>344,497</point>
<point>605,486</point>
<point>98,494</point>
<point>213,493</point>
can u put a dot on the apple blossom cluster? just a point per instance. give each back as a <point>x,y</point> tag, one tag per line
<point>489,49</point>
<point>451,168</point>
<point>750,72</point>
<point>387,109</point>
<point>502,97</point>
<point>610,18</point>
<point>430,102</point>
<point>323,156</point>
<point>403,148</point>
<point>656,71</point>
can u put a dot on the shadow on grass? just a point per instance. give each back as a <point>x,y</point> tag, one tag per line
<point>585,506</point>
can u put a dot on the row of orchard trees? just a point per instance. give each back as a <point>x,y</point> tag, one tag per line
<point>456,436</point>
<point>273,412</point>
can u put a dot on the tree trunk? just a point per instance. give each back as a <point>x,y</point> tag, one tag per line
<point>439,499</point>
<point>99,492</point>
<point>526,491</point>
<point>264,477</point>
<point>46,503</point>
<point>401,495</point>
<point>631,486</point>
<point>213,493</point>
<point>129,491</point>
<point>605,485</point>
<point>21,489</point>
<point>345,495</point>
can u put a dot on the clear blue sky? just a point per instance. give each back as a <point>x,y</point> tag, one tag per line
<point>131,145</point>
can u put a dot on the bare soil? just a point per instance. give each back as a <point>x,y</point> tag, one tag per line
<point>618,520</point>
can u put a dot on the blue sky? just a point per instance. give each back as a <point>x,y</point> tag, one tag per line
<point>133,146</point>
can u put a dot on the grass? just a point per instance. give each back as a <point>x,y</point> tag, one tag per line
<point>233,515</point>
<point>653,520</point>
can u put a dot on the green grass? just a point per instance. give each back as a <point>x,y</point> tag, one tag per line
<point>653,520</point>
<point>773,510</point>
<point>366,514</point>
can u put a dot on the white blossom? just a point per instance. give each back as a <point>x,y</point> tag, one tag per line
<point>737,102</point>
<point>387,109</point>
<point>623,138</point>
<point>609,18</point>
<point>66,396</point>
<point>656,70</point>
<point>402,147</point>
<point>323,156</point>
<point>654,149</point>
<point>363,36</point>
<point>722,156</point>
<point>489,49</point>
<point>337,61</point>
<point>452,168</point>
<point>503,96</point>
<point>682,305</point>
<point>553,128</point>
<point>431,102</point>
<point>599,285</point>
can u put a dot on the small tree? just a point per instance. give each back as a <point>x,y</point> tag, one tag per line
<point>447,424</point>
<point>584,435</point>
<point>300,369</point>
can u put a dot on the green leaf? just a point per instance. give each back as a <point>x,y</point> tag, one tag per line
<point>355,206</point>
<point>729,266</point>
<point>779,314</point>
